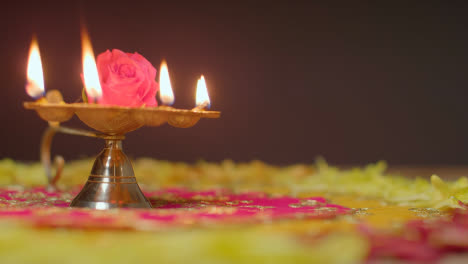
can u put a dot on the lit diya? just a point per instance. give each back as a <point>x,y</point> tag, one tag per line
<point>119,97</point>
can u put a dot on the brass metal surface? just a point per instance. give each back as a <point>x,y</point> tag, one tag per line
<point>112,183</point>
<point>115,120</point>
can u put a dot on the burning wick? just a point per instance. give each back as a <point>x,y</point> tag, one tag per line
<point>166,95</point>
<point>201,107</point>
<point>202,97</point>
<point>90,72</point>
<point>35,76</point>
<point>33,89</point>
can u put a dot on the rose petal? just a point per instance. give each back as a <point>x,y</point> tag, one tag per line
<point>126,79</point>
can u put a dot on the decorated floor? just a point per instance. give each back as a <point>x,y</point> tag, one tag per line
<point>237,213</point>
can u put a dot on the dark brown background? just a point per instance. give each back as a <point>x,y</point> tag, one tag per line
<point>354,83</point>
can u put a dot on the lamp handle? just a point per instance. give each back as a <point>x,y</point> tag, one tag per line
<point>46,143</point>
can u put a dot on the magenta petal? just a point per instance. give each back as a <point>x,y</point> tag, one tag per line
<point>126,79</point>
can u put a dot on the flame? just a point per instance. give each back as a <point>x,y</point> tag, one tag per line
<point>35,76</point>
<point>90,73</point>
<point>202,93</point>
<point>165,94</point>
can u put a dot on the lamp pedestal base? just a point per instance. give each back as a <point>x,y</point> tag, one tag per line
<point>112,182</point>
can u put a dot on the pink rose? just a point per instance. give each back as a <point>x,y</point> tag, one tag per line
<point>126,79</point>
